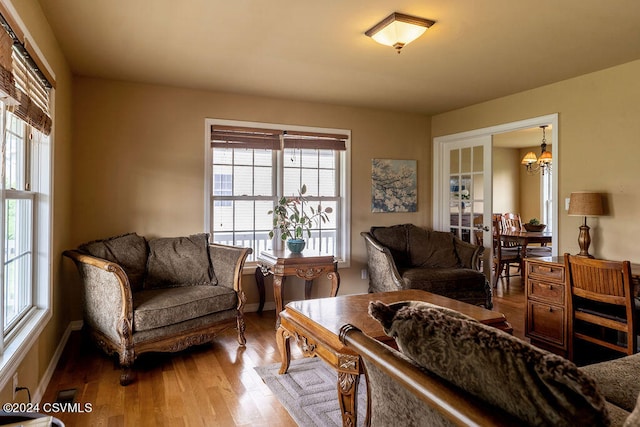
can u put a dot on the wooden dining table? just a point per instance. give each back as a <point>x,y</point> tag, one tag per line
<point>523,239</point>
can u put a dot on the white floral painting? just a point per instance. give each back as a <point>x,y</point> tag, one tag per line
<point>394,185</point>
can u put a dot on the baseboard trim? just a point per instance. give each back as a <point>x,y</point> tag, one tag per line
<point>251,308</point>
<point>75,325</point>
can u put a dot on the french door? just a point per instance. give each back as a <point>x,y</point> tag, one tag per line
<point>465,192</point>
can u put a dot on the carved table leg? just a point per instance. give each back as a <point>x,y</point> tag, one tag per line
<point>260,283</point>
<point>278,295</point>
<point>348,397</point>
<point>335,282</point>
<point>282,339</point>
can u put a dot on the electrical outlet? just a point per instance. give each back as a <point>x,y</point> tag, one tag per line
<point>364,274</point>
<point>15,385</point>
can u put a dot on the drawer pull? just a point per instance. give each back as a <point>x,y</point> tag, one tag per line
<point>550,309</point>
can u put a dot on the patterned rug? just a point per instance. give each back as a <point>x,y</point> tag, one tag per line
<point>309,392</point>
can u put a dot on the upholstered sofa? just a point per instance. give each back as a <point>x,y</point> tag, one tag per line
<point>452,370</point>
<point>159,295</point>
<point>409,257</point>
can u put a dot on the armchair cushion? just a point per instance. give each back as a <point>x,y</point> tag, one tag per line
<point>432,249</point>
<point>129,250</point>
<point>615,382</point>
<point>179,261</point>
<point>533,385</point>
<point>167,306</point>
<point>463,284</point>
<point>395,239</point>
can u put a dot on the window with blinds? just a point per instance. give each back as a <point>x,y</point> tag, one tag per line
<point>252,167</point>
<point>26,193</point>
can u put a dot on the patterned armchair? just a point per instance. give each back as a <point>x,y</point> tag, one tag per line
<point>408,257</point>
<point>159,295</point>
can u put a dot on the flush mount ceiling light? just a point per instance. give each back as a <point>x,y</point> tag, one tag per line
<point>398,30</point>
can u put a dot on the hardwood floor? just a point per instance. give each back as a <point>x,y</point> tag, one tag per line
<point>209,385</point>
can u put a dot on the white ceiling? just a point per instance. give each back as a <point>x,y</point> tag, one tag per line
<point>317,51</point>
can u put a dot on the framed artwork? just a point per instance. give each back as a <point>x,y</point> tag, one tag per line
<point>394,185</point>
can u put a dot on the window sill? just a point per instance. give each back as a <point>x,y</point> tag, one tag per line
<point>19,346</point>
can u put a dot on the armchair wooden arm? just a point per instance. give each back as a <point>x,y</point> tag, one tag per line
<point>108,303</point>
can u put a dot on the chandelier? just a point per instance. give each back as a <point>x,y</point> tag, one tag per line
<point>540,164</point>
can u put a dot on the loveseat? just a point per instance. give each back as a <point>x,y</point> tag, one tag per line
<point>450,369</point>
<point>409,257</point>
<point>159,295</point>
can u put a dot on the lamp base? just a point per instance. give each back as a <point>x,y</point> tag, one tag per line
<point>584,240</point>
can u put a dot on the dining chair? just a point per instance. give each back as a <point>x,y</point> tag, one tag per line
<point>504,255</point>
<point>511,222</point>
<point>478,224</point>
<point>601,304</point>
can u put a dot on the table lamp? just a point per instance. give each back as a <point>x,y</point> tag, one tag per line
<point>585,203</point>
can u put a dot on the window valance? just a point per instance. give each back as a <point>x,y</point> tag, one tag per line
<point>274,139</point>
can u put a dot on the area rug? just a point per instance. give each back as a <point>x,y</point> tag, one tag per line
<point>309,392</point>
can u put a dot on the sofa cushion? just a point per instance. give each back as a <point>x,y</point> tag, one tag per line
<point>614,381</point>
<point>166,306</point>
<point>431,249</point>
<point>395,239</point>
<point>179,261</point>
<point>537,387</point>
<point>128,250</point>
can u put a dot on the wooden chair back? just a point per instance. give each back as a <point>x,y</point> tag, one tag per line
<point>511,222</point>
<point>478,224</point>
<point>503,254</point>
<point>601,297</point>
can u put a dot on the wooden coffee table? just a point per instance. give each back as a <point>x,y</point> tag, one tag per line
<point>316,326</point>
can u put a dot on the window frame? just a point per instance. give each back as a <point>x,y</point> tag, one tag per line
<point>342,169</point>
<point>25,331</point>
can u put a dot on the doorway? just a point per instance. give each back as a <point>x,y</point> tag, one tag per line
<point>444,174</point>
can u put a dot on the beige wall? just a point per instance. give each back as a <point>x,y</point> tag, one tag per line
<point>599,134</point>
<point>139,162</point>
<point>506,177</point>
<point>37,359</point>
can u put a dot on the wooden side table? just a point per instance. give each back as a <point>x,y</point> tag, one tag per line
<point>306,265</point>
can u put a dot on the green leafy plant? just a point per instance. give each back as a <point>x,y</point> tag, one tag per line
<point>534,221</point>
<point>294,217</point>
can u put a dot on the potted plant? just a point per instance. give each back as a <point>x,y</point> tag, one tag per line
<point>293,217</point>
<point>534,225</point>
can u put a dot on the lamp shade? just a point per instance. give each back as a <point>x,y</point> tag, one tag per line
<point>585,203</point>
<point>545,157</point>
<point>529,158</point>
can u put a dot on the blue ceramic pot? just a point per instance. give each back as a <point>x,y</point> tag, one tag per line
<point>296,245</point>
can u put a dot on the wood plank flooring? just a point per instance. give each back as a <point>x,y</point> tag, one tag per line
<point>210,385</point>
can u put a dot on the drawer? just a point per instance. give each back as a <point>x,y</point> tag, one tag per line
<point>546,291</point>
<point>546,322</point>
<point>546,270</point>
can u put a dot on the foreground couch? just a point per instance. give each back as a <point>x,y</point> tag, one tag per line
<point>453,370</point>
<point>161,295</point>
<point>409,257</point>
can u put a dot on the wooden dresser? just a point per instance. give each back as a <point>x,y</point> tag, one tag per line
<point>546,312</point>
<point>547,292</point>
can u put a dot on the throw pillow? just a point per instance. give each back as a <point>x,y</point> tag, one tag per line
<point>535,386</point>
<point>432,249</point>
<point>128,250</point>
<point>394,238</point>
<point>179,261</point>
